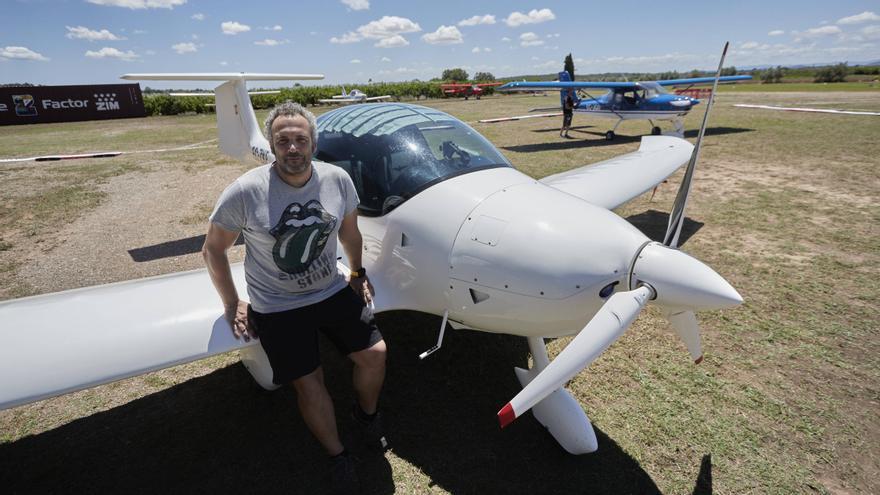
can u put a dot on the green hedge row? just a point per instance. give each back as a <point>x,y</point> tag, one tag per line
<point>162,104</point>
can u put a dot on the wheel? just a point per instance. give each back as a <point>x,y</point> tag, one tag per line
<point>655,131</point>
<point>466,97</point>
<point>609,136</point>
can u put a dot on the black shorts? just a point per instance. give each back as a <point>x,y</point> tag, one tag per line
<point>290,338</point>
<point>566,119</point>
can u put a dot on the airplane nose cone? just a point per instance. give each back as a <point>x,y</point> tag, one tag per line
<point>682,281</point>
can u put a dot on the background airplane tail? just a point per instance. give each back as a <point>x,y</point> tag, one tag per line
<point>564,77</point>
<point>237,126</point>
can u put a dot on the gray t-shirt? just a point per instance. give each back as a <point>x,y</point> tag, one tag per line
<point>289,233</point>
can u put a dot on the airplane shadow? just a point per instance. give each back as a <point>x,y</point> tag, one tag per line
<point>653,224</point>
<point>574,142</point>
<point>221,433</point>
<point>171,249</point>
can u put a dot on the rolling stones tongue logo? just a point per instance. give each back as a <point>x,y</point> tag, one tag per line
<point>300,235</point>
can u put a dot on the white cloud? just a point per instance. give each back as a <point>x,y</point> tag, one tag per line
<point>387,27</point>
<point>533,17</point>
<point>233,27</point>
<point>108,52</point>
<point>749,45</point>
<point>199,17</point>
<point>139,4</point>
<point>84,33</point>
<point>392,42</point>
<point>505,39</point>
<point>820,31</point>
<point>859,18</point>
<point>182,48</point>
<point>386,59</point>
<point>871,32</point>
<point>555,35</point>
<point>444,35</point>
<point>776,32</point>
<point>477,19</point>
<point>387,30</point>
<point>150,52</point>
<point>349,37</point>
<point>224,63</point>
<point>271,42</point>
<point>354,61</point>
<point>357,4</point>
<point>20,53</point>
<point>276,27</point>
<point>476,49</point>
<point>530,39</point>
<point>195,36</point>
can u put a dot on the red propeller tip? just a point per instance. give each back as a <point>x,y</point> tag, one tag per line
<point>506,415</point>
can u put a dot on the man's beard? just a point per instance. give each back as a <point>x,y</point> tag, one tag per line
<point>294,168</point>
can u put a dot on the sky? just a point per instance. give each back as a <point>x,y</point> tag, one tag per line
<point>58,42</point>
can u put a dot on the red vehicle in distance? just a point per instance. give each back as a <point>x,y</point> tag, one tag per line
<point>466,89</point>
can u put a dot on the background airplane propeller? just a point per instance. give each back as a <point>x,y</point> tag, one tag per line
<point>674,280</point>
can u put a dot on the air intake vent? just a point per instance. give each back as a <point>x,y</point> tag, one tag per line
<point>478,296</point>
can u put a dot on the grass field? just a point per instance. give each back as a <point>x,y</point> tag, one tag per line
<point>784,206</point>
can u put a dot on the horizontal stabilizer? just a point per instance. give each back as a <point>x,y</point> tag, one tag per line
<point>220,76</point>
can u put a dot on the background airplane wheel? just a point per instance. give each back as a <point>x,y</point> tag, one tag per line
<point>655,131</point>
<point>609,135</point>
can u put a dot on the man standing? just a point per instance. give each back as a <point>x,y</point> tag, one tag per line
<point>567,113</point>
<point>290,213</point>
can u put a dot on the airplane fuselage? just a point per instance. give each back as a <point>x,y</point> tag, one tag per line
<point>485,247</point>
<point>616,106</point>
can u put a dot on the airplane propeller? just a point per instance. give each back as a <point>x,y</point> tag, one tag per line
<point>675,281</point>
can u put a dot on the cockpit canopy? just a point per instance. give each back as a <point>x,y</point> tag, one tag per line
<point>393,151</point>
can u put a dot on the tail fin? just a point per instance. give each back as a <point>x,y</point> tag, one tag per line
<point>237,128</point>
<point>565,77</point>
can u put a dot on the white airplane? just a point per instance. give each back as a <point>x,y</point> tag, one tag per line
<point>450,228</point>
<point>355,96</point>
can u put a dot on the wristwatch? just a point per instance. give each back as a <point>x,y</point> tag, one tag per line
<point>359,273</point>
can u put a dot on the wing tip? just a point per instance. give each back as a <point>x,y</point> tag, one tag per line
<point>506,415</point>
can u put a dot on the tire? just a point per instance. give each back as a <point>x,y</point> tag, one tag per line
<point>609,136</point>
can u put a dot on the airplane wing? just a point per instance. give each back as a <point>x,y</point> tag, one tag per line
<point>102,334</point>
<point>532,85</point>
<point>339,100</point>
<point>701,80</point>
<point>378,98</point>
<point>613,182</point>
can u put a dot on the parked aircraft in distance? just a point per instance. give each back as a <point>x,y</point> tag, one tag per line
<point>355,96</point>
<point>645,100</point>
<point>466,90</point>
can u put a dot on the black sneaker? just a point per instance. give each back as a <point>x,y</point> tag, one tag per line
<point>343,478</point>
<point>371,430</point>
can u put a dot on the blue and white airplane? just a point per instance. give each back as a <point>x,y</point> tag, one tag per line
<point>645,100</point>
